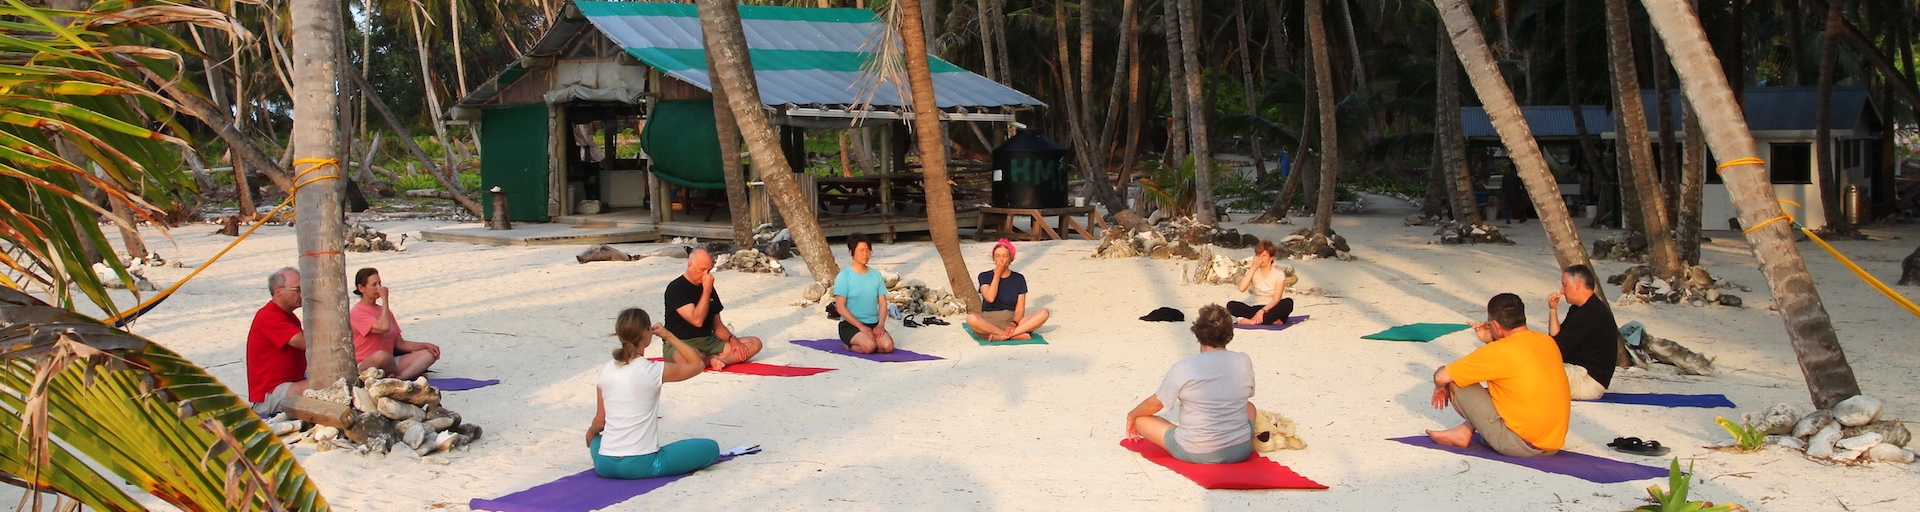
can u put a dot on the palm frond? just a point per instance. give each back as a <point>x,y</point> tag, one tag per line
<point>137,409</point>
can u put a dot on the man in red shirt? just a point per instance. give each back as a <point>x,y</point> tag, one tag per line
<point>276,348</point>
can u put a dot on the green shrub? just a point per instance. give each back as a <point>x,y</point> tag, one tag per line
<point>1676,499</point>
<point>416,181</point>
<point>1746,438</point>
<point>1240,192</point>
<point>470,181</point>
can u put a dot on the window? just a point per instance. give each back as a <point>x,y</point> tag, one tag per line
<point>1791,163</point>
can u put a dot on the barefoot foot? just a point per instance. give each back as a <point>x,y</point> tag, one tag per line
<point>1456,437</point>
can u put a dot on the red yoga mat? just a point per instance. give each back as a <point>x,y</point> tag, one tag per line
<point>1257,472</point>
<point>770,370</point>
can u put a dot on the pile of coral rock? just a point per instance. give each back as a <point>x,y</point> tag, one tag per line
<point>361,238</point>
<point>909,296</point>
<point>1182,238</point>
<point>749,260</point>
<point>1664,355</point>
<point>390,415</point>
<point>1851,432</point>
<point>1216,268</point>
<point>1456,233</point>
<point>1699,289</point>
<point>1627,246</point>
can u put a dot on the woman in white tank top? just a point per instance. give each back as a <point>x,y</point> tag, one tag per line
<point>623,437</point>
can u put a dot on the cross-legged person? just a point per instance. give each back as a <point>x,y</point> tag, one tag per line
<point>860,295</point>
<point>623,438</point>
<point>1212,390</point>
<point>694,307</point>
<point>1003,301</point>
<point>377,342</point>
<point>1267,287</point>
<point>276,347</point>
<point>1511,390</point>
<point>1588,338</point>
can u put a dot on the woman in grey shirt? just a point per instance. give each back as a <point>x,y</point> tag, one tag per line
<point>1211,390</point>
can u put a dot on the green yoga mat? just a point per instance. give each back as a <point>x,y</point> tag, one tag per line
<point>1037,338</point>
<point>1416,332</point>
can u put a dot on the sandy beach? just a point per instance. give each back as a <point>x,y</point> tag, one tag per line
<point>1036,427</point>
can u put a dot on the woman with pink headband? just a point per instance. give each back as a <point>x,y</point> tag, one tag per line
<point>1003,301</point>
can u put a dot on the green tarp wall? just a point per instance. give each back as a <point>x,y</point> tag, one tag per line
<point>681,142</point>
<point>513,156</point>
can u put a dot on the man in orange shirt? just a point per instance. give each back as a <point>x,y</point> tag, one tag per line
<point>1523,408</point>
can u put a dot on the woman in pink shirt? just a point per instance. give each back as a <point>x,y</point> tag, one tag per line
<point>376,335</point>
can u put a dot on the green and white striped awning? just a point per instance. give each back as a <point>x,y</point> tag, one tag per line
<point>802,57</point>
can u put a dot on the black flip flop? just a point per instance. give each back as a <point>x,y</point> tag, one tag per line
<point>934,320</point>
<point>909,322</point>
<point>1634,445</point>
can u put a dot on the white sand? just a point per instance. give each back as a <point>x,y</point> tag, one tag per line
<point>1036,427</point>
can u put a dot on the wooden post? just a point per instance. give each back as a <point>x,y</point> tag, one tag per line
<point>318,411</point>
<point>499,210</point>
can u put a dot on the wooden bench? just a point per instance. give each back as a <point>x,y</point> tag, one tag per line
<point>1040,229</point>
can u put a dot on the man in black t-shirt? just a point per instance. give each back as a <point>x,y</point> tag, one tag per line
<point>1588,339</point>
<point>694,316</point>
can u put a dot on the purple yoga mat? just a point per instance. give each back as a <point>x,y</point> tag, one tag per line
<point>1667,400</point>
<point>1577,465</point>
<point>459,383</point>
<point>579,492</point>
<point>1291,321</point>
<point>835,346</point>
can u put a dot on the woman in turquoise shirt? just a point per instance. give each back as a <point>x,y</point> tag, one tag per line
<point>860,294</point>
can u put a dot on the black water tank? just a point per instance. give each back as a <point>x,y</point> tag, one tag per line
<point>1029,171</point>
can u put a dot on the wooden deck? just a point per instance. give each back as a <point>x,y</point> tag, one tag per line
<point>881,227</point>
<point>532,234</point>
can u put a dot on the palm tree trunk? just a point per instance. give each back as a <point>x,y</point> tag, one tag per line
<point>1329,122</point>
<point>728,131</point>
<point>1663,103</point>
<point>933,156</point>
<point>1177,119</point>
<point>426,86</point>
<point>459,62</point>
<point>1197,107</point>
<point>1484,73</point>
<point>984,15</point>
<point>734,70</point>
<point>1833,181</point>
<point>1633,133</point>
<point>1353,46</point>
<point>1246,85</point>
<point>1589,151</point>
<point>1136,111</point>
<point>1793,20</point>
<point>1822,362</point>
<point>1693,178</point>
<point>1108,193</point>
<point>323,268</point>
<point>1448,138</point>
<point>1301,160</point>
<point>1092,168</point>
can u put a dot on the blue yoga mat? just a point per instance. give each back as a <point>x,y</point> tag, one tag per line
<point>1667,400</point>
<point>1577,465</point>
<point>459,383</point>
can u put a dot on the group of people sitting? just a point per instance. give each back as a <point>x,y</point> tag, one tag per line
<point>277,346</point>
<point>1515,390</point>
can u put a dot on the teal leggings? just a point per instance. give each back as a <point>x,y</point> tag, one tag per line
<point>676,458</point>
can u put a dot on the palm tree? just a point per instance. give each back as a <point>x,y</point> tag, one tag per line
<point>1829,378</point>
<point>1484,73</point>
<point>933,154</point>
<point>734,71</point>
<point>1632,127</point>
<point>1448,137</point>
<point>89,405</point>
<point>1833,182</point>
<point>317,208</point>
<point>729,133</point>
<point>1329,122</point>
<point>1197,107</point>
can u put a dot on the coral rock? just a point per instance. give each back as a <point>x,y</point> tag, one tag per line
<point>1812,423</point>
<point>1778,419</point>
<point>1890,432</point>
<point>1857,411</point>
<point>398,410</point>
<point>1821,445</point>
<point>1887,452</point>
